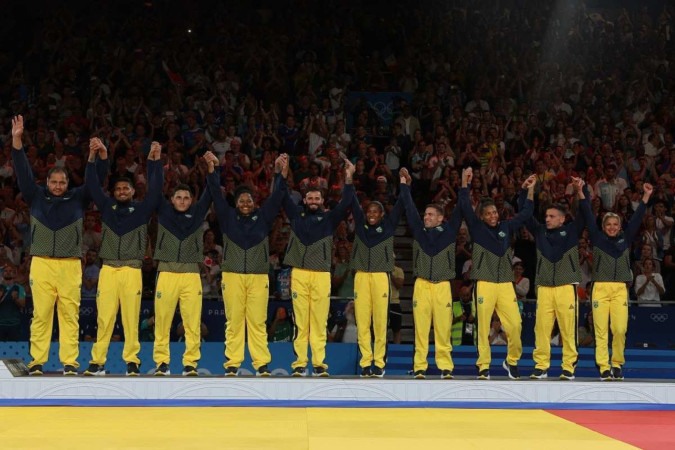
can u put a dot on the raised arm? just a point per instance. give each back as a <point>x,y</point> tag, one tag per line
<point>394,215</point>
<point>357,211</point>
<point>91,178</point>
<point>270,209</point>
<point>24,173</point>
<point>338,214</point>
<point>635,222</point>
<point>525,212</point>
<point>579,222</point>
<point>585,206</point>
<point>223,209</point>
<point>155,176</point>
<point>414,221</point>
<point>531,222</point>
<point>204,202</point>
<point>468,212</point>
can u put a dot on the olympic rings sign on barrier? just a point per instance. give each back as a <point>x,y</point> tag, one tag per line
<point>658,317</point>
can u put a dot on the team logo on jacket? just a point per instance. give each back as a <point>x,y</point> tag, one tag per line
<point>295,295</point>
<point>131,209</point>
<point>480,300</point>
<point>563,233</point>
<point>159,294</point>
<point>378,229</point>
<point>414,303</point>
<point>595,304</point>
<point>189,216</point>
<point>501,234</point>
<point>254,218</point>
<point>621,241</point>
<point>439,228</point>
<point>114,207</point>
<point>448,305</point>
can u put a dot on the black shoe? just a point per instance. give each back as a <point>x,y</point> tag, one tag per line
<point>539,374</point>
<point>190,371</point>
<point>617,374</point>
<point>606,375</point>
<point>69,371</point>
<point>263,371</point>
<point>511,370</point>
<point>320,372</point>
<point>377,372</point>
<point>299,372</point>
<point>447,375</point>
<point>484,374</point>
<point>162,370</point>
<point>566,375</point>
<point>231,371</point>
<point>366,372</point>
<point>420,374</point>
<point>133,369</point>
<point>35,371</point>
<point>94,370</point>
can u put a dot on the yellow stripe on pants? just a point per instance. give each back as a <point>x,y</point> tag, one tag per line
<point>500,297</point>
<point>610,311</point>
<point>55,281</point>
<point>246,297</point>
<point>171,289</point>
<point>432,302</point>
<point>311,303</point>
<point>556,303</point>
<point>118,288</point>
<point>371,305</point>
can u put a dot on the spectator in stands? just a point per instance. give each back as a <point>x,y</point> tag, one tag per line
<point>342,280</point>
<point>649,285</point>
<point>280,329</point>
<point>521,283</point>
<point>91,237</point>
<point>12,301</point>
<point>463,318</point>
<point>179,332</point>
<point>395,312</point>
<point>344,330</point>
<point>586,333</point>
<point>90,274</point>
<point>497,334</point>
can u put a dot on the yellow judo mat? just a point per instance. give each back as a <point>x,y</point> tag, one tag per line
<point>291,428</point>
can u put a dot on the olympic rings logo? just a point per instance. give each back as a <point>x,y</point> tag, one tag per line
<point>86,311</point>
<point>659,317</point>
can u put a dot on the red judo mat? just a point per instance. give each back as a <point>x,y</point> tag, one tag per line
<point>644,429</point>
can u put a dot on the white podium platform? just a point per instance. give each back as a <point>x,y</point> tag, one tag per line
<point>16,388</point>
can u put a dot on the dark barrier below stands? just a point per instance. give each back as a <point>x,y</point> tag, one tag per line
<point>343,360</point>
<point>647,327</point>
